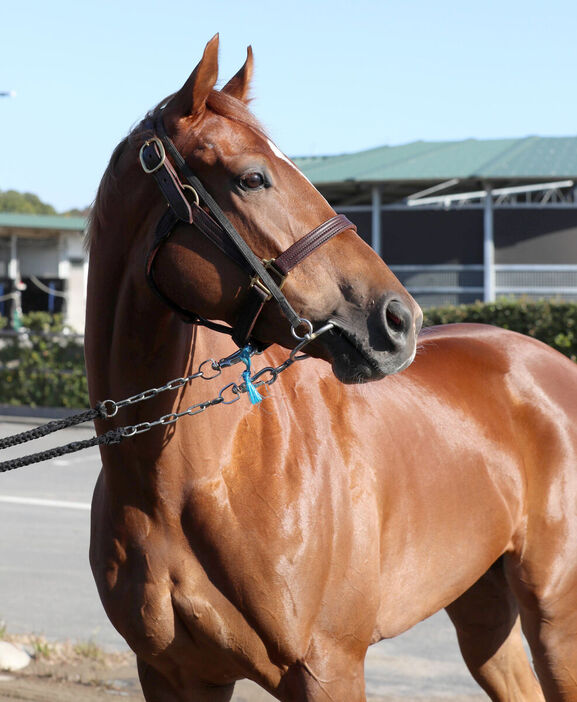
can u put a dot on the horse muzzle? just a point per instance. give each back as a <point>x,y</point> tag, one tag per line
<point>365,346</point>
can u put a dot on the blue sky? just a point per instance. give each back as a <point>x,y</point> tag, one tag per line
<point>331,76</point>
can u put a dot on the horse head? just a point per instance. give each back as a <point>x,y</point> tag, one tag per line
<point>271,205</point>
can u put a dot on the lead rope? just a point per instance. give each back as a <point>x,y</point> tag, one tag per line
<point>58,424</point>
<point>114,436</point>
<point>109,408</point>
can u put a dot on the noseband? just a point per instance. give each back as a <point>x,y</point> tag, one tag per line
<point>267,276</point>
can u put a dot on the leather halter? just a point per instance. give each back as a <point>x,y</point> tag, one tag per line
<point>267,276</point>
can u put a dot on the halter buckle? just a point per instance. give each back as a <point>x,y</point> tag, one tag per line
<point>278,277</point>
<point>161,155</point>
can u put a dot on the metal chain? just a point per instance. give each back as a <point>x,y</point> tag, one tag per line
<point>234,390</point>
<point>111,407</point>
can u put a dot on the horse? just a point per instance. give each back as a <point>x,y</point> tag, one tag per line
<point>390,474</point>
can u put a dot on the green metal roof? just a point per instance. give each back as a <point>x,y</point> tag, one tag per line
<point>528,158</point>
<point>17,220</point>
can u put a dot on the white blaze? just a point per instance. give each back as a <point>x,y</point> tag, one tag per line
<point>279,154</point>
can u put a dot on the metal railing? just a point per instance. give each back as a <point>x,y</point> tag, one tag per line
<point>453,284</point>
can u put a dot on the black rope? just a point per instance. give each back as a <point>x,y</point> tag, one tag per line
<point>114,436</point>
<point>50,427</point>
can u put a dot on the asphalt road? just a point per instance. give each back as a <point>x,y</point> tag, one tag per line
<point>46,586</point>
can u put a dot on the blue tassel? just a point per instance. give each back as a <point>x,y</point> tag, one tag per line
<point>253,393</point>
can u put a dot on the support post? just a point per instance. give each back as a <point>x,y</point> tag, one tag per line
<point>64,273</point>
<point>13,267</point>
<point>488,248</point>
<point>376,220</point>
<point>14,275</point>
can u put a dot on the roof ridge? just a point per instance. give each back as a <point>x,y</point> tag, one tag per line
<point>432,142</point>
<point>354,154</point>
<point>340,160</point>
<point>373,149</point>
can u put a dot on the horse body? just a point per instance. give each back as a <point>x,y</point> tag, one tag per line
<point>278,542</point>
<point>266,545</point>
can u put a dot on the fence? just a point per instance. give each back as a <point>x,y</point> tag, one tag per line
<point>448,284</point>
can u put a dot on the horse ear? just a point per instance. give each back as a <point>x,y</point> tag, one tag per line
<point>239,85</point>
<point>191,98</point>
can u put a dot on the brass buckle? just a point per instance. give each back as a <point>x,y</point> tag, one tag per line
<point>160,145</point>
<point>255,281</point>
<point>194,193</point>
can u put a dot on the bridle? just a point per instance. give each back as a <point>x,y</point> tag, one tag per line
<point>266,276</point>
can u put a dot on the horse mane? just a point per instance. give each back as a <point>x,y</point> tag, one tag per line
<point>218,102</point>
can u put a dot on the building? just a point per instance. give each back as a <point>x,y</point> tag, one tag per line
<point>465,220</point>
<point>43,265</point>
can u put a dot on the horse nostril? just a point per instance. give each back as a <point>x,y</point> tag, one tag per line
<point>393,320</point>
<point>397,317</point>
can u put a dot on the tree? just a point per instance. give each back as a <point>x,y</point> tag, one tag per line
<point>77,212</point>
<point>26,203</point>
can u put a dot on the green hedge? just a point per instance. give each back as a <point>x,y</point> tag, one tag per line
<point>43,364</point>
<point>555,323</point>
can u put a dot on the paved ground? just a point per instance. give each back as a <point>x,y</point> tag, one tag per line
<point>46,586</point>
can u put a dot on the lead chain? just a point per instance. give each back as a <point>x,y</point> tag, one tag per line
<point>110,407</point>
<point>208,370</point>
<point>233,389</point>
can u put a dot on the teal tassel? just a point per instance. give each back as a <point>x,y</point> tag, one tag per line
<point>253,393</point>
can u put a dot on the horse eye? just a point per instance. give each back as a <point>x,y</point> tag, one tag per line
<point>252,181</point>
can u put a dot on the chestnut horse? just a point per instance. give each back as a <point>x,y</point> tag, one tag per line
<point>276,542</point>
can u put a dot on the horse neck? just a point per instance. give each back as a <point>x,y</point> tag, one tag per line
<point>134,342</point>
